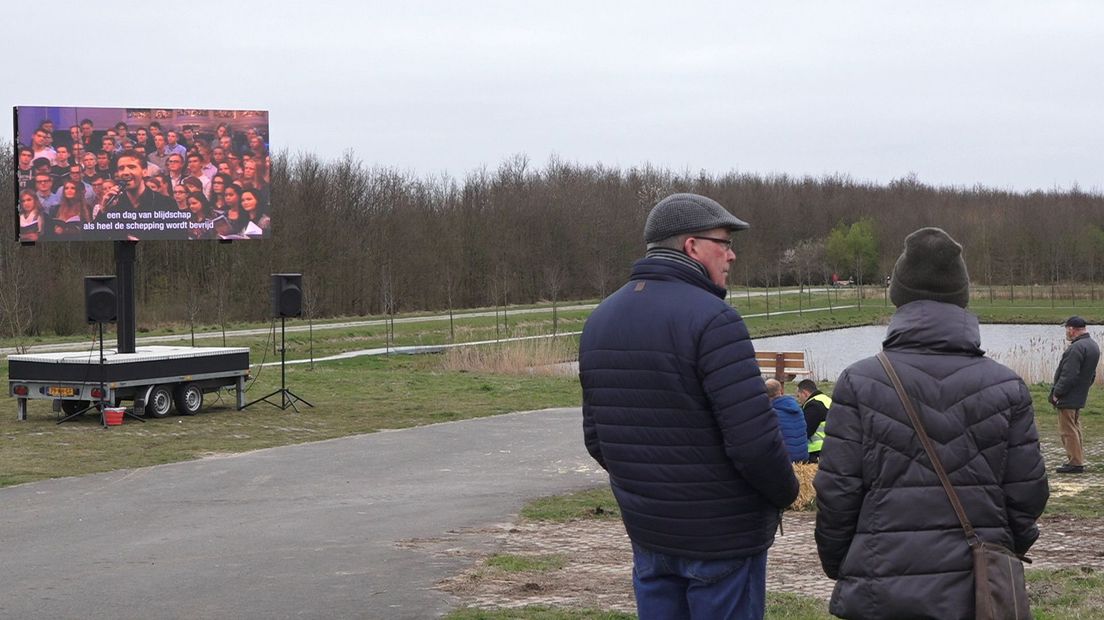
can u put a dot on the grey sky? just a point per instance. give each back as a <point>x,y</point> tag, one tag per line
<point>1005,94</point>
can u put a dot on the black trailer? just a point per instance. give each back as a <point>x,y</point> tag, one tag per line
<point>155,378</point>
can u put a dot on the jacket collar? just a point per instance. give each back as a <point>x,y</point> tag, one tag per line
<point>927,326</point>
<point>1084,335</point>
<point>673,271</point>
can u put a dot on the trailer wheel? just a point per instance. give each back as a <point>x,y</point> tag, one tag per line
<point>69,407</point>
<point>188,399</point>
<point>160,402</point>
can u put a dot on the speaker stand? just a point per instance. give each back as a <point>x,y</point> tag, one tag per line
<point>287,397</point>
<point>99,404</point>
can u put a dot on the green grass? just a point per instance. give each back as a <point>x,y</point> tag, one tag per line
<point>537,613</point>
<point>597,503</point>
<point>780,606</point>
<point>786,606</point>
<point>512,563</point>
<point>1072,496</point>
<point>1066,593</point>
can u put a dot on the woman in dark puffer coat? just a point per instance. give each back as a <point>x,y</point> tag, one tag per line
<point>885,529</point>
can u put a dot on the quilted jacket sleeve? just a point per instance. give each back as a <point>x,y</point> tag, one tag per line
<point>839,480</point>
<point>1069,369</point>
<point>734,386</point>
<point>1025,482</point>
<point>590,434</point>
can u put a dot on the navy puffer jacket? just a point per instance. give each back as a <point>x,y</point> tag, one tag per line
<point>885,528</point>
<point>675,409</point>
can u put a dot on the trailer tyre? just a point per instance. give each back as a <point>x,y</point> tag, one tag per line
<point>188,399</point>
<point>69,407</point>
<point>160,402</point>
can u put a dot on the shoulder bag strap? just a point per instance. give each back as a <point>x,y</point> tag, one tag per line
<point>937,465</point>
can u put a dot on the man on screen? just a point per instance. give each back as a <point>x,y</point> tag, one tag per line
<point>61,162</point>
<point>87,129</point>
<point>41,147</point>
<point>103,164</point>
<point>131,193</point>
<point>25,172</point>
<point>160,154</point>
<point>88,167</point>
<point>195,169</point>
<point>175,166</point>
<point>142,137</point>
<point>121,131</point>
<point>44,191</point>
<point>172,144</point>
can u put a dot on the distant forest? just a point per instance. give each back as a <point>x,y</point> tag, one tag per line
<point>374,240</point>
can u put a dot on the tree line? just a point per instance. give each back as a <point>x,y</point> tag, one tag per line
<point>376,240</point>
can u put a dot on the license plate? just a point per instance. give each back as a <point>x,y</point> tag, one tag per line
<point>61,391</point>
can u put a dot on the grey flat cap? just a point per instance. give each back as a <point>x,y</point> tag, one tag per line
<point>686,213</point>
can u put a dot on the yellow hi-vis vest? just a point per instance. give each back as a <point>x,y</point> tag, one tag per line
<point>816,442</point>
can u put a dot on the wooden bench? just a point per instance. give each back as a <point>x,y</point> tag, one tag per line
<point>782,365</point>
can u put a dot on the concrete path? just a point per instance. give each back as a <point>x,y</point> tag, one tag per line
<point>305,531</point>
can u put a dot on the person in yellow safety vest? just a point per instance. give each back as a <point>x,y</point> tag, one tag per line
<point>815,405</point>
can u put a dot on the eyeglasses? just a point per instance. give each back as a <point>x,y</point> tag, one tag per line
<point>727,243</point>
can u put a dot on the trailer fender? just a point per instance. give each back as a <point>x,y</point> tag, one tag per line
<point>141,398</point>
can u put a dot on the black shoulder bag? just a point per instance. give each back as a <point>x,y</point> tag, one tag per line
<point>999,589</point>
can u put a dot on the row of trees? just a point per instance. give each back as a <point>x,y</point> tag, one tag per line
<point>375,240</point>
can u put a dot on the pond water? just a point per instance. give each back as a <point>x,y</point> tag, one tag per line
<point>1032,351</point>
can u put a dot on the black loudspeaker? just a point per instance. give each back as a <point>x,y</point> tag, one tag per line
<point>100,294</point>
<point>287,294</point>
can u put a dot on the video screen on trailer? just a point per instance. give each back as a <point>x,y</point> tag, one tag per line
<point>90,174</point>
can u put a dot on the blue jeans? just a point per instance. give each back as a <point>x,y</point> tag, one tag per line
<point>669,587</point>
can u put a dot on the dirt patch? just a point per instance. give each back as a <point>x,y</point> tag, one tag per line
<point>598,572</point>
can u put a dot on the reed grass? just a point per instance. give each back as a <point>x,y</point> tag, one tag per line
<point>538,356</point>
<point>806,495</point>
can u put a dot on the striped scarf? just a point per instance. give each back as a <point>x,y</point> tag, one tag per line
<point>678,257</point>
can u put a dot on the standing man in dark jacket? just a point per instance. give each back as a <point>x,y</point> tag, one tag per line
<point>885,530</point>
<point>815,405</point>
<point>1072,379</point>
<point>675,409</point>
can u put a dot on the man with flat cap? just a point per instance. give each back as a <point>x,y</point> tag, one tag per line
<point>675,409</point>
<point>1074,376</point>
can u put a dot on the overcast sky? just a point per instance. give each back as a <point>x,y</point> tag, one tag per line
<point>1003,94</point>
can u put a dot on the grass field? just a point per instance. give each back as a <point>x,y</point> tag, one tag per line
<point>367,394</point>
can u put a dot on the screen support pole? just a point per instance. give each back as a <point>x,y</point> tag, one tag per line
<point>124,270</point>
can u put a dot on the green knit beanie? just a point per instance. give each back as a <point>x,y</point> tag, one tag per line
<point>931,267</point>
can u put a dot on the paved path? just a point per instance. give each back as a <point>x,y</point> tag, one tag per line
<point>307,531</point>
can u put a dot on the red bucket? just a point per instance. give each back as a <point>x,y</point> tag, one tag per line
<point>113,416</point>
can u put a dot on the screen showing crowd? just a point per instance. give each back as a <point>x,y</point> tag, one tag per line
<point>141,173</point>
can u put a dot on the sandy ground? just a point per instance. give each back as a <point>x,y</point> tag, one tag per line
<point>597,574</point>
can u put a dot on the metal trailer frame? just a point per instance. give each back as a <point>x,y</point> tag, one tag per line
<point>70,376</point>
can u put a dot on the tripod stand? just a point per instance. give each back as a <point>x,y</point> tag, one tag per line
<point>287,397</point>
<point>99,403</point>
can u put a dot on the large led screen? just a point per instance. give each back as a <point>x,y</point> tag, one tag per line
<point>88,174</point>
